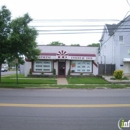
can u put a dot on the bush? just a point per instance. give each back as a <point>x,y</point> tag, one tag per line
<point>30,71</point>
<point>42,73</point>
<point>54,71</point>
<point>81,73</point>
<point>118,74</point>
<point>68,72</point>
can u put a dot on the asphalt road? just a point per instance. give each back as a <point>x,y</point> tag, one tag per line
<point>8,73</point>
<point>63,109</point>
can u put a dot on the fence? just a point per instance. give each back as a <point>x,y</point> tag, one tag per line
<point>106,69</point>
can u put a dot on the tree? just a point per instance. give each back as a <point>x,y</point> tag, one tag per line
<point>75,44</point>
<point>56,43</point>
<point>94,45</point>
<point>22,38</point>
<point>19,39</point>
<point>5,19</point>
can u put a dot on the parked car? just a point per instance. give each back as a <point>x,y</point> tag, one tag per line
<point>4,70</point>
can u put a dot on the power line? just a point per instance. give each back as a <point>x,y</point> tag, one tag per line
<point>116,30</point>
<point>75,33</point>
<point>68,26</point>
<point>74,20</point>
<point>81,30</point>
<point>67,33</point>
<point>128,2</point>
<point>73,26</point>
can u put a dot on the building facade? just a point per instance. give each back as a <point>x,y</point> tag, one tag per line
<point>115,45</point>
<point>75,60</point>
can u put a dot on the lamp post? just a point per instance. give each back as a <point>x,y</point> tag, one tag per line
<point>16,62</point>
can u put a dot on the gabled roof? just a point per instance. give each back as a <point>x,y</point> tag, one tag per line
<point>111,28</point>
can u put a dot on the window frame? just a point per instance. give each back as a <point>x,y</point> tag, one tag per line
<point>121,42</point>
<point>79,66</point>
<point>42,66</point>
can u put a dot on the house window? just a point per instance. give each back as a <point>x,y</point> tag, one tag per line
<point>44,66</point>
<point>121,39</point>
<point>81,66</point>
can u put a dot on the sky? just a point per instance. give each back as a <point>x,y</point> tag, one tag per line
<point>75,21</point>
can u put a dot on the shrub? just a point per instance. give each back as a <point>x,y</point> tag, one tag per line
<point>68,72</point>
<point>30,71</point>
<point>42,73</point>
<point>54,71</point>
<point>81,73</point>
<point>118,74</point>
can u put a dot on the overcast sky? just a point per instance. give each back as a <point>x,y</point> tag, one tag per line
<point>95,12</point>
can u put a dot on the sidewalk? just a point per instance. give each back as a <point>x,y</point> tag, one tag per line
<point>62,81</point>
<point>108,78</point>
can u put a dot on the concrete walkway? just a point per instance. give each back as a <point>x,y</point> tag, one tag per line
<point>62,81</point>
<point>108,78</point>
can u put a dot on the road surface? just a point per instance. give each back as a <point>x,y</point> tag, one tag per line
<point>8,73</point>
<point>63,109</point>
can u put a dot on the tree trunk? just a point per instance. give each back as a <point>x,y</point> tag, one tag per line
<point>0,72</point>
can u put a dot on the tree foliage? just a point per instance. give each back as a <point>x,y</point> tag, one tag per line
<point>17,39</point>
<point>22,38</point>
<point>75,44</point>
<point>5,17</point>
<point>56,43</point>
<point>94,45</point>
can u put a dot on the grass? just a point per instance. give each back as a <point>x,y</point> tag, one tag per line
<point>29,81</point>
<point>113,86</point>
<point>14,76</point>
<point>89,83</point>
<point>24,80</point>
<point>23,77</point>
<point>124,78</point>
<point>86,80</point>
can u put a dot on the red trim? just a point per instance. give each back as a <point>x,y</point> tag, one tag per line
<point>94,63</point>
<point>69,54</point>
<point>74,54</point>
<point>28,60</point>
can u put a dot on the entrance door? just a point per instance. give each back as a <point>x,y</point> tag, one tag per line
<point>61,68</point>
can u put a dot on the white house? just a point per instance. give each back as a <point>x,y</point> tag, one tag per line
<point>115,45</point>
<point>76,59</point>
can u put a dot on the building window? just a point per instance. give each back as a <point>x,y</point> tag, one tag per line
<point>44,66</point>
<point>81,66</point>
<point>121,39</point>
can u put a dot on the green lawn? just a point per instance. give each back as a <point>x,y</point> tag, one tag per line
<point>89,83</point>
<point>24,80</point>
<point>29,81</point>
<point>14,76</point>
<point>92,86</point>
<point>23,77</point>
<point>86,80</point>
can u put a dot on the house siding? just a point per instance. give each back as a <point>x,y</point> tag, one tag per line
<point>116,51</point>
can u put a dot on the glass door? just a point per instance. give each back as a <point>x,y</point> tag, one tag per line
<point>61,68</point>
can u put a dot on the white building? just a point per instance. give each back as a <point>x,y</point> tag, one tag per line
<point>115,45</point>
<point>76,59</point>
